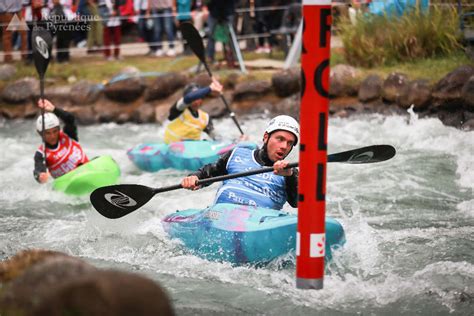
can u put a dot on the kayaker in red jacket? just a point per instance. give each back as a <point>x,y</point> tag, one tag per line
<point>263,190</point>
<point>63,151</point>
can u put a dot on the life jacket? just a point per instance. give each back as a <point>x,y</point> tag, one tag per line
<point>263,190</point>
<point>186,126</point>
<point>67,156</point>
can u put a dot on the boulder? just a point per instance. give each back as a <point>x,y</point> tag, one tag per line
<point>21,90</point>
<point>85,92</point>
<point>7,71</point>
<point>447,93</point>
<point>288,106</point>
<point>451,118</point>
<point>60,95</point>
<point>164,86</point>
<point>287,82</point>
<point>108,111</point>
<point>343,81</point>
<point>40,282</point>
<point>370,89</point>
<point>162,112</point>
<point>27,290</point>
<point>393,86</point>
<point>15,266</point>
<point>106,293</point>
<point>231,81</point>
<point>467,93</point>
<point>123,118</point>
<point>416,93</point>
<point>13,112</point>
<point>85,115</point>
<point>202,79</point>
<point>251,90</point>
<point>145,113</point>
<point>468,125</point>
<point>215,106</point>
<point>126,90</point>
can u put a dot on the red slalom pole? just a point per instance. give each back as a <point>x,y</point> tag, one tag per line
<point>310,241</point>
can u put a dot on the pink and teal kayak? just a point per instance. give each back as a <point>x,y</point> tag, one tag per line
<point>184,155</point>
<point>242,234</point>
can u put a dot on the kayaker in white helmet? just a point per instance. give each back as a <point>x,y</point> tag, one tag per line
<point>63,152</point>
<point>263,190</point>
<point>186,120</point>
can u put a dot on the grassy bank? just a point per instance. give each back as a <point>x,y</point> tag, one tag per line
<point>96,69</point>
<point>432,69</point>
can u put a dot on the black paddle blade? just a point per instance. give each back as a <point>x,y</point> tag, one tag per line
<point>41,42</point>
<point>370,154</point>
<point>192,36</point>
<point>119,200</point>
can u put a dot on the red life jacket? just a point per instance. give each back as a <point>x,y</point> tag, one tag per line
<point>66,157</point>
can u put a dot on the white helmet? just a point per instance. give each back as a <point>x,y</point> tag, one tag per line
<point>284,123</point>
<point>50,121</point>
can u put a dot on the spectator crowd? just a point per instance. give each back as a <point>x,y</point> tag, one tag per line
<point>100,25</point>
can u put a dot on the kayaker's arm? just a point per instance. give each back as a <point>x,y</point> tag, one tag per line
<point>186,101</point>
<point>70,127</point>
<point>219,168</point>
<point>292,188</point>
<point>40,166</point>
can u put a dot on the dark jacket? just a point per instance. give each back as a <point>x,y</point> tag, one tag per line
<point>219,168</point>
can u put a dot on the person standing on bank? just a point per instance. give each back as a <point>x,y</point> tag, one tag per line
<point>63,151</point>
<point>261,190</point>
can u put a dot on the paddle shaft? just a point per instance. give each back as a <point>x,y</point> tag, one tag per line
<point>41,42</point>
<point>42,118</point>
<point>231,113</point>
<point>119,200</point>
<point>222,178</point>
<point>194,39</point>
<point>355,156</point>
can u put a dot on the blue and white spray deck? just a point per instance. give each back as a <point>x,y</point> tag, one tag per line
<point>242,234</point>
<point>184,155</point>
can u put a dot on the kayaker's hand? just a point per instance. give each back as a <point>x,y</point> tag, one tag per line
<point>279,168</point>
<point>216,86</point>
<point>190,183</point>
<point>243,138</point>
<point>46,105</point>
<point>43,177</point>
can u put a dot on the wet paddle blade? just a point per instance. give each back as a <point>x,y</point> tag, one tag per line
<point>41,42</point>
<point>370,154</point>
<point>192,36</point>
<point>116,201</point>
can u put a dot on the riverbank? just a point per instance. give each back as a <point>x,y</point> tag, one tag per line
<point>141,89</point>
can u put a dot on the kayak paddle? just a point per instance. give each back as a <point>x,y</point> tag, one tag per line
<point>41,41</point>
<point>116,201</point>
<point>192,36</point>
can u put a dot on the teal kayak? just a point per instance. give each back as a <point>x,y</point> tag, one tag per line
<point>242,234</point>
<point>98,172</point>
<point>184,155</point>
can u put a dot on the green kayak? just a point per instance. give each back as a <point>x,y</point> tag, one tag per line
<point>100,171</point>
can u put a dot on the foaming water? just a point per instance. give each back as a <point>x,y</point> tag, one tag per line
<point>409,222</point>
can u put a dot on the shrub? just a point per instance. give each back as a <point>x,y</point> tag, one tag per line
<point>383,40</point>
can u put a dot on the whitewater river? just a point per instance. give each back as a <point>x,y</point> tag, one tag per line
<point>409,223</point>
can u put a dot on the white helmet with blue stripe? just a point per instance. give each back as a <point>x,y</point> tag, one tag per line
<point>284,123</point>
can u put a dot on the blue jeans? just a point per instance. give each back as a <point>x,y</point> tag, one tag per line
<point>143,31</point>
<point>160,23</point>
